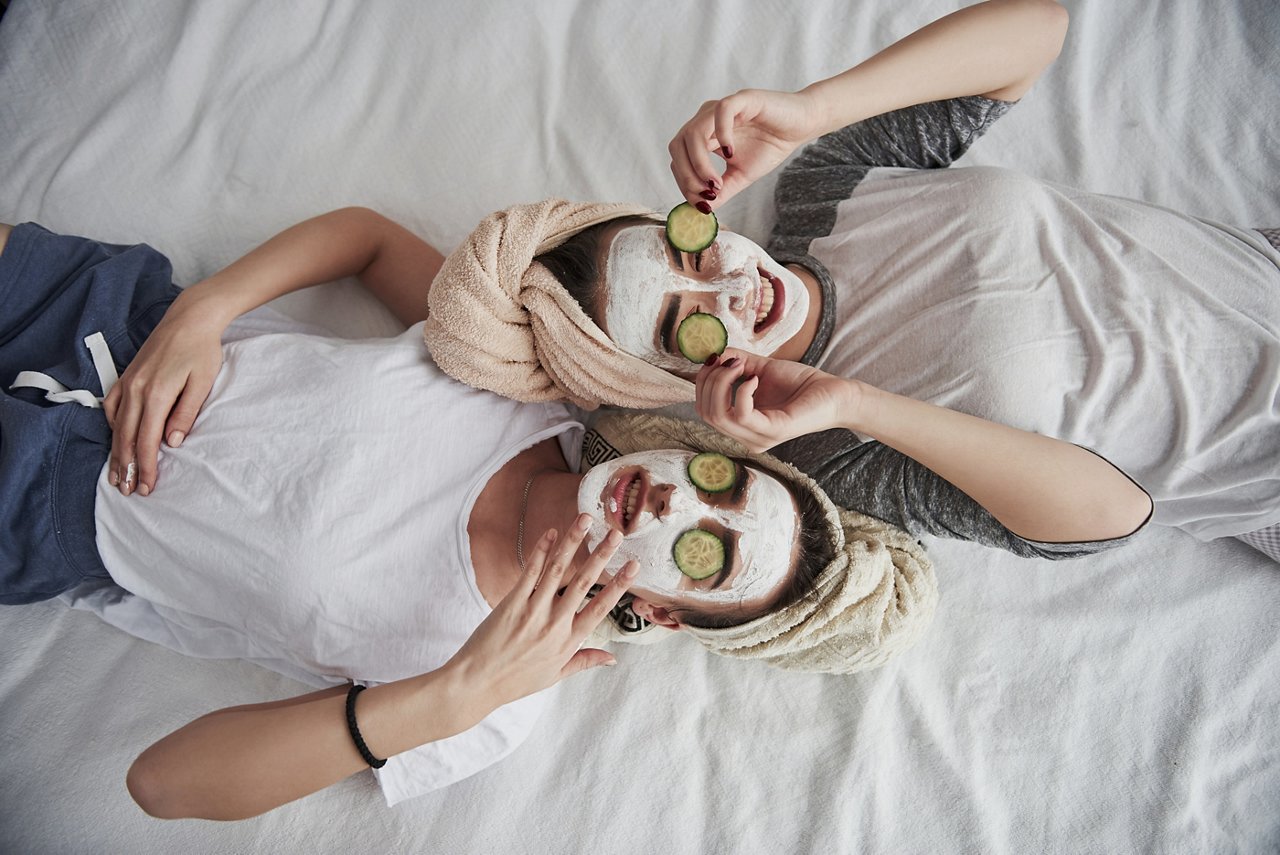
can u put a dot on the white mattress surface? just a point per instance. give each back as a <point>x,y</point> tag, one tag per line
<point>1126,702</point>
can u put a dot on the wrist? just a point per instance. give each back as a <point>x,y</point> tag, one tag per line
<point>203,306</point>
<point>840,101</point>
<point>822,105</point>
<point>857,400</point>
<point>455,694</point>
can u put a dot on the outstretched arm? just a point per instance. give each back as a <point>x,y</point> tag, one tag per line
<point>160,394</point>
<point>393,263</point>
<point>243,761</point>
<point>996,49</point>
<point>1039,488</point>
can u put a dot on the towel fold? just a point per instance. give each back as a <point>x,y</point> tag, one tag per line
<point>498,320</point>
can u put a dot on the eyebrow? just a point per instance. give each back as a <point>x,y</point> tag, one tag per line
<point>674,255</point>
<point>730,552</point>
<point>667,329</point>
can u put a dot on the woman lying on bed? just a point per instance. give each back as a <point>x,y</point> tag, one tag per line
<point>1149,335</point>
<point>343,512</point>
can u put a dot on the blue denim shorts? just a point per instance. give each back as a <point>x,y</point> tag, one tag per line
<point>54,291</point>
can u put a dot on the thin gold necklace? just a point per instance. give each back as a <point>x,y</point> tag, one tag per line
<point>524,510</point>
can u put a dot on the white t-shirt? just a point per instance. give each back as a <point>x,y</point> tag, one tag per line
<point>1149,336</point>
<point>314,521</point>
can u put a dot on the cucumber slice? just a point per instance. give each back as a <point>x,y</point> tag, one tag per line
<point>699,554</point>
<point>712,472</point>
<point>690,230</point>
<point>700,335</point>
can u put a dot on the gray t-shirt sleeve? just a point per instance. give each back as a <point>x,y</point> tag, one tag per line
<point>825,173</point>
<point>877,480</point>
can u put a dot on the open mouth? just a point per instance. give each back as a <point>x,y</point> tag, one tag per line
<point>624,500</point>
<point>770,300</point>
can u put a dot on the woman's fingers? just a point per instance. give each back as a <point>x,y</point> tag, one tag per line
<point>140,425</point>
<point>588,574</point>
<point>534,560</point>
<point>715,397</point>
<point>726,114</point>
<point>185,411</point>
<point>726,401</point>
<point>605,599</point>
<point>705,180</point>
<point>110,404</point>
<point>562,555</point>
<point>696,176</point>
<point>146,447</point>
<point>123,471</point>
<point>586,658</point>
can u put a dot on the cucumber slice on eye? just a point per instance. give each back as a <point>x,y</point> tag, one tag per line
<point>699,554</point>
<point>690,230</point>
<point>700,335</point>
<point>712,472</point>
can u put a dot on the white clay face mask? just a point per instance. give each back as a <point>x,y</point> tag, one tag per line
<point>746,285</point>
<point>765,524</point>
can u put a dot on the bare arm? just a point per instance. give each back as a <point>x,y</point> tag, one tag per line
<point>394,264</point>
<point>997,49</point>
<point>1038,487</point>
<point>243,761</point>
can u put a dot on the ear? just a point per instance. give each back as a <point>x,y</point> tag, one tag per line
<point>654,614</point>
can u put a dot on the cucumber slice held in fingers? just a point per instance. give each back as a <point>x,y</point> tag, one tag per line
<point>712,472</point>
<point>700,335</point>
<point>699,554</point>
<point>690,230</point>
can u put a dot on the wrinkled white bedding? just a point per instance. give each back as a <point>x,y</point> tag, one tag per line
<point>1125,702</point>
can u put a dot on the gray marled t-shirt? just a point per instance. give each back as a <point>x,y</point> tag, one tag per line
<point>868,476</point>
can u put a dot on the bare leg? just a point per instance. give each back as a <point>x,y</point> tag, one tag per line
<point>5,228</point>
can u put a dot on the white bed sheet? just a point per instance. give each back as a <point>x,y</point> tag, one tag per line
<point>1125,702</point>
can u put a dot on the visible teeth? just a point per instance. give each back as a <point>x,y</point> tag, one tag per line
<point>766,300</point>
<point>613,506</point>
<point>631,500</point>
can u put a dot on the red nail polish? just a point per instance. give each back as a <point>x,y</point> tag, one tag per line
<point>708,195</point>
<point>732,361</point>
<point>711,185</point>
<point>728,152</point>
<point>704,207</point>
<point>712,359</point>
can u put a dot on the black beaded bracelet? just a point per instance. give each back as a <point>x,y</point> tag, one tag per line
<point>356,689</point>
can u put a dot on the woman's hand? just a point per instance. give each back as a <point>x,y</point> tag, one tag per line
<point>160,394</point>
<point>762,402</point>
<point>532,639</point>
<point>753,130</point>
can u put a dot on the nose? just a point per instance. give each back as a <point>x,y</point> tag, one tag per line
<point>738,288</point>
<point>678,501</point>
<point>660,501</point>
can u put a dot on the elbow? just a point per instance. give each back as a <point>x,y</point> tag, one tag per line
<point>1053,24</point>
<point>147,785</point>
<point>1134,512</point>
<point>1122,515</point>
<point>166,787</point>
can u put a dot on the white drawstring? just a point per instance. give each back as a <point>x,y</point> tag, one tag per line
<point>59,394</point>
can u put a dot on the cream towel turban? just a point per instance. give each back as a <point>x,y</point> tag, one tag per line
<point>872,601</point>
<point>498,321</point>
